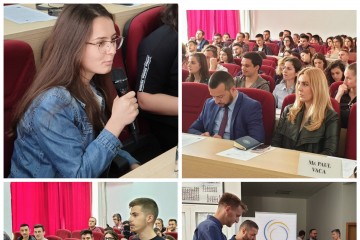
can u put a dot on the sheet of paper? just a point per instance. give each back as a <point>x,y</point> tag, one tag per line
<point>348,166</point>
<point>21,14</point>
<point>238,154</point>
<point>190,139</point>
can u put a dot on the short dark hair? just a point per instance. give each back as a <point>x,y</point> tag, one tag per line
<point>259,35</point>
<point>191,41</point>
<point>301,233</point>
<point>255,58</point>
<point>24,225</point>
<point>316,37</point>
<point>147,205</point>
<point>321,57</point>
<point>219,77</point>
<point>39,226</point>
<point>173,220</point>
<point>248,224</point>
<point>288,31</point>
<point>281,34</point>
<point>113,234</point>
<point>337,231</point>
<point>312,230</point>
<point>296,63</point>
<point>85,232</point>
<point>232,200</point>
<point>237,44</point>
<point>303,35</point>
<point>267,31</point>
<point>217,35</point>
<point>213,49</point>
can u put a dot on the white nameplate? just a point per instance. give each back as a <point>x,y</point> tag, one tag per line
<point>318,166</point>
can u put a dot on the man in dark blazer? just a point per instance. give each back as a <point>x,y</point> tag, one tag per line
<point>244,114</point>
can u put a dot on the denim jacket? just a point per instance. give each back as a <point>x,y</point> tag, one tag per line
<point>55,139</point>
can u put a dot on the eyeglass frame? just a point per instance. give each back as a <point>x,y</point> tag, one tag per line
<point>109,238</point>
<point>111,42</point>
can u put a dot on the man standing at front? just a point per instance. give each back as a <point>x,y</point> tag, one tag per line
<point>143,213</point>
<point>230,209</point>
<point>312,234</point>
<point>25,232</point>
<point>39,232</point>
<point>247,231</point>
<point>229,114</point>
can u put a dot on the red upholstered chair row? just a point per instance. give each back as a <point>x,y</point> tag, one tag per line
<point>173,234</point>
<point>63,233</point>
<point>233,69</point>
<point>270,80</point>
<point>274,47</point>
<point>270,71</point>
<point>334,87</point>
<point>19,71</point>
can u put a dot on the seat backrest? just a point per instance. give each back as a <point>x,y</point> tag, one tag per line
<point>274,47</point>
<point>63,233</point>
<point>352,57</point>
<point>185,74</point>
<point>289,99</point>
<point>267,101</point>
<point>173,234</point>
<point>98,235</point>
<point>268,70</point>
<point>117,230</point>
<point>269,62</point>
<point>350,146</point>
<point>19,72</point>
<point>334,87</point>
<point>76,234</point>
<point>70,238</point>
<point>53,237</point>
<point>237,61</point>
<point>194,96</point>
<point>16,234</point>
<point>318,48</point>
<point>270,80</point>
<point>233,68</point>
<point>274,59</point>
<point>135,30</point>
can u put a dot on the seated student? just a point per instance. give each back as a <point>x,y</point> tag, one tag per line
<point>159,223</point>
<point>344,57</point>
<point>319,61</point>
<point>261,46</point>
<point>279,70</point>
<point>229,114</point>
<point>288,44</point>
<point>287,86</point>
<point>191,47</point>
<point>111,235</point>
<point>335,72</point>
<point>198,68</point>
<point>237,50</point>
<point>338,44</point>
<point>217,40</point>
<point>200,40</point>
<point>250,66</point>
<point>304,44</point>
<point>211,55</point>
<point>227,40</point>
<point>226,55</point>
<point>240,38</point>
<point>157,79</point>
<point>63,124</point>
<point>349,44</point>
<point>346,94</point>
<point>306,56</point>
<point>310,124</point>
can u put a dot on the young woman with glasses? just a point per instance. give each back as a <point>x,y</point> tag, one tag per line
<point>67,125</point>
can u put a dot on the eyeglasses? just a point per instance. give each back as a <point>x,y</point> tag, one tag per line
<point>109,238</point>
<point>104,46</point>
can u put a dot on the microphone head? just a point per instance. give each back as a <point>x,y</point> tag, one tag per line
<point>120,80</point>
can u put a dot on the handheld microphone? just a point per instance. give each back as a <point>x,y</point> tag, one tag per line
<point>121,85</point>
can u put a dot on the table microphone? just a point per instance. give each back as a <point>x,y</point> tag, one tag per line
<point>121,85</point>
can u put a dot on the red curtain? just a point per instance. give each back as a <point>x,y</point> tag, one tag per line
<point>54,205</point>
<point>213,21</point>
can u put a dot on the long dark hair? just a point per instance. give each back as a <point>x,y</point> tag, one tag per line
<point>204,71</point>
<point>61,63</point>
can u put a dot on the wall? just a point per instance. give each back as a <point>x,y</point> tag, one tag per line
<point>119,195</point>
<point>7,209</point>
<point>324,23</point>
<point>280,205</point>
<point>331,208</point>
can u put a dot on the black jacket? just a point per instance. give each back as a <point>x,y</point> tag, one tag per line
<point>323,140</point>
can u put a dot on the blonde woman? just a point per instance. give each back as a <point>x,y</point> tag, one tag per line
<point>310,124</point>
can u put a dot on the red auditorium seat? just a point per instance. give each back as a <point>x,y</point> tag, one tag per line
<point>19,72</point>
<point>16,234</point>
<point>233,69</point>
<point>53,237</point>
<point>237,61</point>
<point>173,234</point>
<point>76,234</point>
<point>318,48</point>
<point>350,146</point>
<point>274,48</point>
<point>270,71</point>
<point>251,45</point>
<point>185,74</point>
<point>270,80</point>
<point>193,98</point>
<point>267,102</point>
<point>98,235</point>
<point>269,62</point>
<point>63,233</point>
<point>334,87</point>
<point>274,59</point>
<point>70,238</point>
<point>116,230</point>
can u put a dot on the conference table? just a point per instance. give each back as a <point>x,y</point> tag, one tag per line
<point>200,160</point>
<point>162,166</point>
<point>36,33</point>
